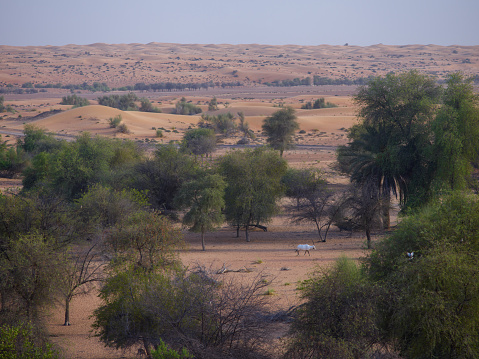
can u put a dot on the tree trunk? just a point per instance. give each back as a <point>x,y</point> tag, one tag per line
<point>237,231</point>
<point>386,215</point>
<point>247,233</point>
<point>67,311</point>
<point>368,236</point>
<point>147,348</point>
<point>203,240</point>
<point>319,231</point>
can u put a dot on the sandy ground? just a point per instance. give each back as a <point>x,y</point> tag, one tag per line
<point>270,253</point>
<point>267,253</point>
<point>252,64</point>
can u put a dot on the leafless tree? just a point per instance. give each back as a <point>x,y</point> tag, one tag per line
<point>83,268</point>
<point>320,206</point>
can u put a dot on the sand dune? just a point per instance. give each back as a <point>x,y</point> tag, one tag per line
<point>127,64</point>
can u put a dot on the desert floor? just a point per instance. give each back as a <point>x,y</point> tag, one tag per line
<point>270,252</point>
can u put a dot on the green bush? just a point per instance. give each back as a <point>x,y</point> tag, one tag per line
<point>339,317</point>
<point>319,103</point>
<point>147,106</point>
<point>74,100</point>
<point>19,342</point>
<point>114,121</point>
<point>124,102</point>
<point>123,128</point>
<point>163,352</point>
<point>186,108</point>
<point>433,306</point>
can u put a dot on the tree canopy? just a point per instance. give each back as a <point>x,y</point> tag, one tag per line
<point>253,179</point>
<point>279,129</point>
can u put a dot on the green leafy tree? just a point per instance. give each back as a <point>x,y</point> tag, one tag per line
<point>213,104</point>
<point>279,129</point>
<point>103,207</point>
<point>199,141</point>
<point>2,106</point>
<point>147,106</point>
<point>21,341</point>
<point>30,268</point>
<point>42,212</point>
<point>183,107</point>
<point>204,198</point>
<point>193,310</point>
<point>146,240</point>
<point>12,160</point>
<point>339,318</point>
<point>223,123</point>
<point>123,102</point>
<point>36,140</point>
<point>163,175</point>
<point>433,294</point>
<point>456,132</point>
<point>435,311</point>
<point>253,179</point>
<point>392,144</point>
<point>74,100</point>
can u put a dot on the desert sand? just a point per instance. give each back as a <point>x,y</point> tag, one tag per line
<point>128,64</point>
<point>321,131</point>
<point>271,253</point>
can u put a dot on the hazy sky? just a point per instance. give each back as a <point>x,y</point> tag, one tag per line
<point>275,22</point>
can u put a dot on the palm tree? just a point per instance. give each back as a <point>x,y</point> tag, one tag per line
<point>369,158</point>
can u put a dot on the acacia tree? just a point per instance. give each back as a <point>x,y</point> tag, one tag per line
<point>244,126</point>
<point>312,199</point>
<point>83,268</point>
<point>199,141</point>
<point>204,198</point>
<point>163,175</point>
<point>212,317</point>
<point>365,208</point>
<point>253,186</point>
<point>339,318</point>
<point>30,270</point>
<point>213,104</point>
<point>279,129</point>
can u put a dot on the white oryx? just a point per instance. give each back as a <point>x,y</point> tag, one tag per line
<point>305,248</point>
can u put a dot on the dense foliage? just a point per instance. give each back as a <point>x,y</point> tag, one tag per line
<point>413,138</point>
<point>253,179</point>
<point>183,107</point>
<point>74,100</point>
<point>122,102</point>
<point>279,129</point>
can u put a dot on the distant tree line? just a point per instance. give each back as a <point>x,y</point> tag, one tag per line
<point>29,87</point>
<point>176,86</point>
<point>317,81</point>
